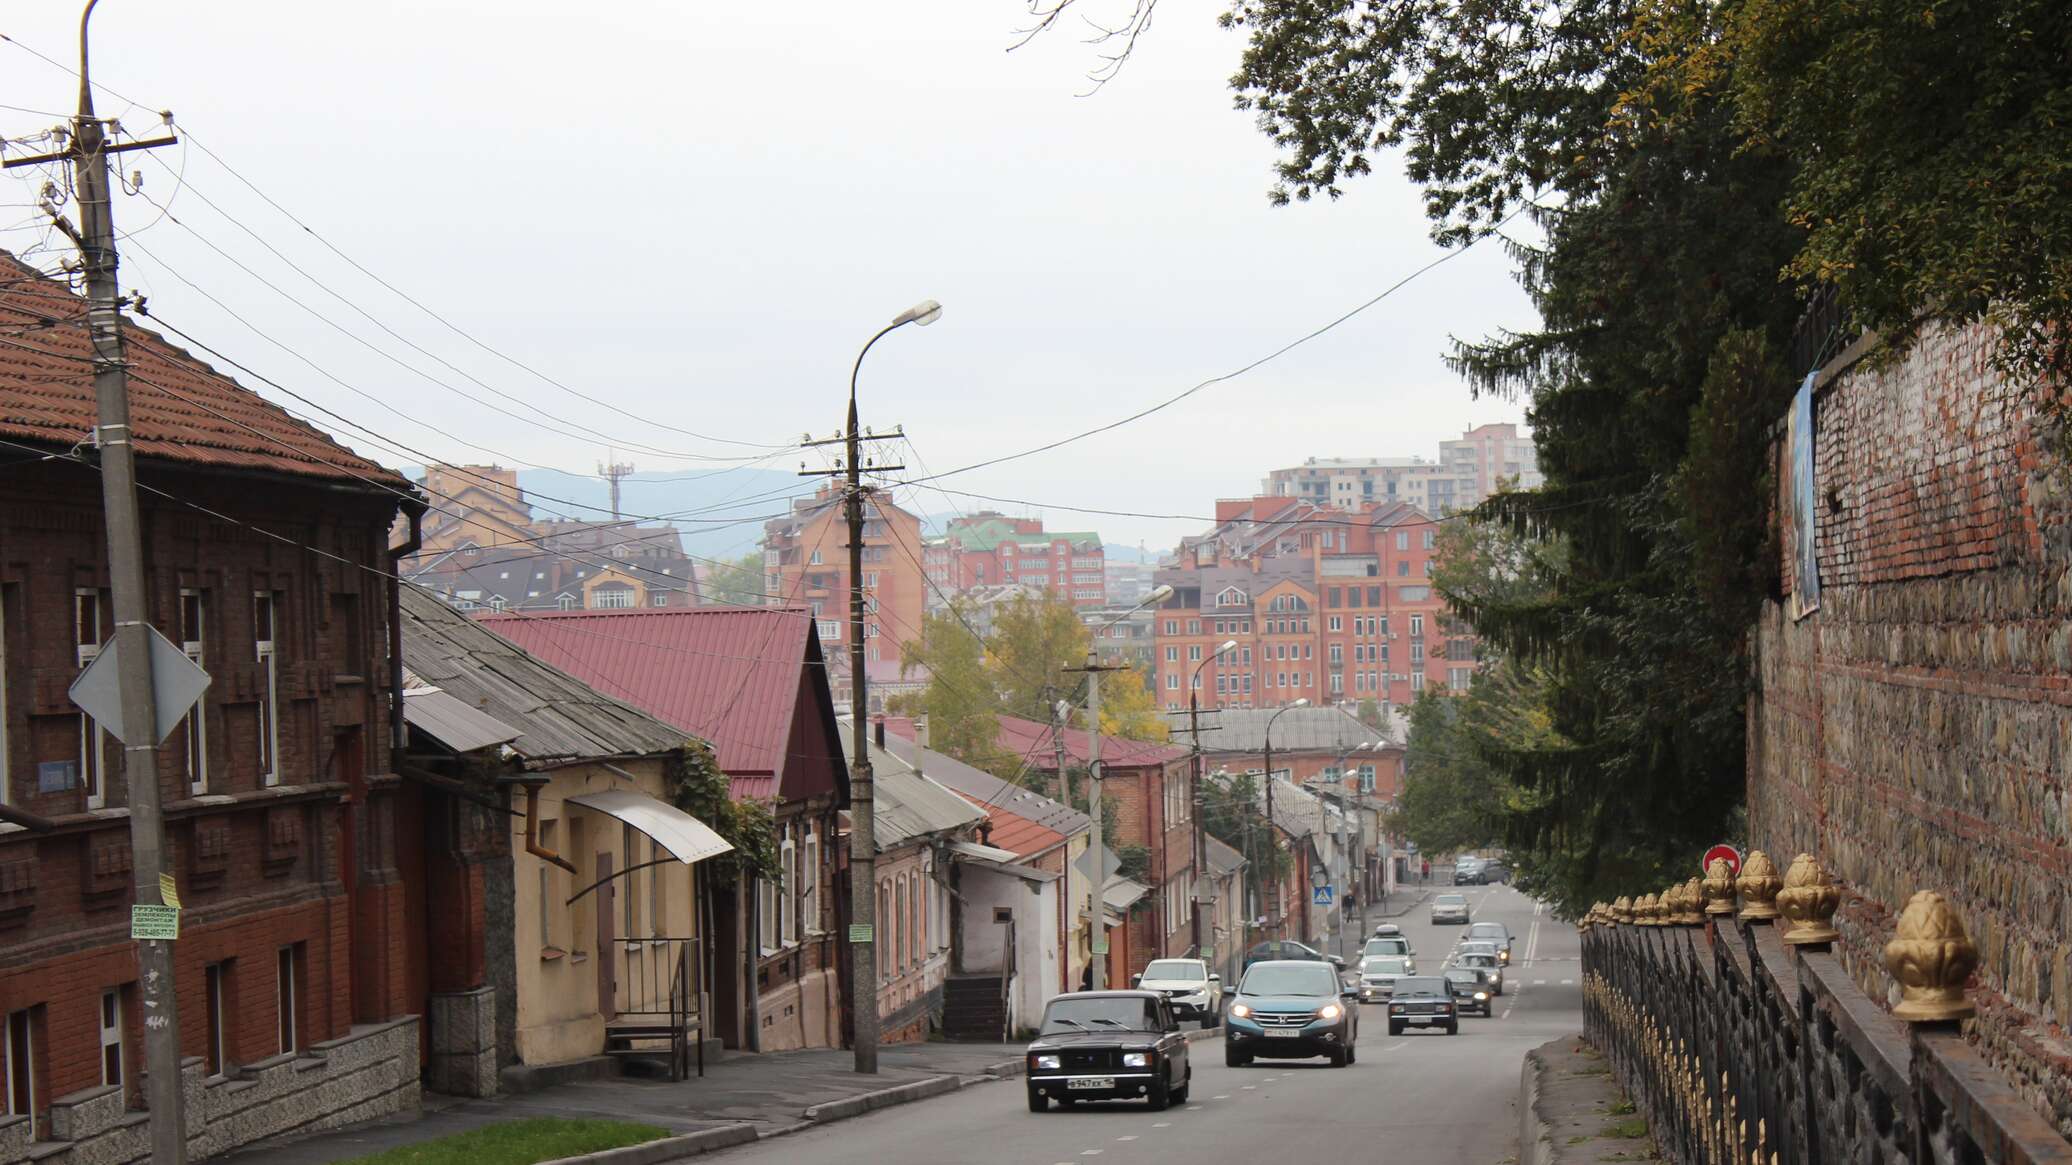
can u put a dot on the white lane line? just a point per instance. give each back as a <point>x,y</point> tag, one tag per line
<point>1222,1096</point>
<point>1126,1138</point>
<point>1091,1152</point>
<point>1248,1087</point>
<point>1163,1125</point>
<point>1397,1047</point>
<point>1539,982</point>
<point>1507,1014</point>
<point>1568,982</point>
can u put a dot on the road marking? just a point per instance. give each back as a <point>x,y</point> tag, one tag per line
<point>1397,1047</point>
<point>1224,1096</point>
<point>1091,1152</point>
<point>1251,1088</point>
<point>1532,942</point>
<point>1568,982</point>
<point>1507,1012</point>
<point>1539,982</point>
<point>1163,1125</point>
<point>1126,1138</point>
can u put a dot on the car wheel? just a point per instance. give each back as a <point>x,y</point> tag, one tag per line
<point>1339,1057</point>
<point>1038,1102</point>
<point>1453,1029</point>
<point>1160,1097</point>
<point>1352,1053</point>
<point>1232,1058</point>
<point>1395,1029</point>
<point>1186,1086</point>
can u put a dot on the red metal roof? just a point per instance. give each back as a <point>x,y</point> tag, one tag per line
<point>1028,739</point>
<point>1015,832</point>
<point>47,393</point>
<point>729,675</point>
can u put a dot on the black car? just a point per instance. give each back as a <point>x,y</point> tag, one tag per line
<point>1423,1001</point>
<point>1290,1009</point>
<point>1282,949</point>
<point>1473,993</point>
<point>1108,1045</point>
<point>1491,932</point>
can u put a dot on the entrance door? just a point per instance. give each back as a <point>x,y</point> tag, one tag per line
<point>607,940</point>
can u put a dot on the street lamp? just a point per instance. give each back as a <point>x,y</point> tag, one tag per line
<point>1194,786</point>
<point>1097,940</point>
<point>863,854</point>
<point>1268,742</point>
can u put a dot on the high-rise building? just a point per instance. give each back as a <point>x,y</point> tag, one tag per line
<point>1467,472</point>
<point>1335,606</point>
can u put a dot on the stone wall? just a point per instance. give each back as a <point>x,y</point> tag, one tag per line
<point>370,1072</point>
<point>1915,731</point>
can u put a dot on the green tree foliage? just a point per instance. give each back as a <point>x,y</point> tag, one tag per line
<point>699,787</point>
<point>1936,146</point>
<point>1659,240</point>
<point>960,700</point>
<point>1034,640</point>
<point>1129,710</point>
<point>737,583</point>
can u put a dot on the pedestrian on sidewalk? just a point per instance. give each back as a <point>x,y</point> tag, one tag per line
<point>1424,871</point>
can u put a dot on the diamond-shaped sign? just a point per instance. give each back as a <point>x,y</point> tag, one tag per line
<point>176,683</point>
<point>1109,864</point>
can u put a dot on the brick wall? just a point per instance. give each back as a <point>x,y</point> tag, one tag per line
<point>1915,731</point>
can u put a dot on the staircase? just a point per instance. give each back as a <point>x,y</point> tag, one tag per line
<point>973,1009</point>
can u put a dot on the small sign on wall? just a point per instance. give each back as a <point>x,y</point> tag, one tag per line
<point>57,776</point>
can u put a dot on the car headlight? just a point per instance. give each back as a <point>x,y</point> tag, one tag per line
<point>1240,1010</point>
<point>1046,1062</point>
<point>1482,995</point>
<point>1136,1059</point>
<point>1330,1011</point>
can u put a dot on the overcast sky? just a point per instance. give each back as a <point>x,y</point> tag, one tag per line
<point>699,212</point>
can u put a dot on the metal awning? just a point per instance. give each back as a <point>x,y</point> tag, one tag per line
<point>1122,893</point>
<point>452,721</point>
<point>683,835</point>
<point>984,853</point>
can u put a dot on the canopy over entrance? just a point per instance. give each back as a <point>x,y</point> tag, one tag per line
<point>687,838</point>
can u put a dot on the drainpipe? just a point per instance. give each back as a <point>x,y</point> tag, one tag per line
<point>532,829</point>
<point>399,733</point>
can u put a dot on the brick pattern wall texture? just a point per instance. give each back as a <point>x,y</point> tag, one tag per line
<point>1915,731</point>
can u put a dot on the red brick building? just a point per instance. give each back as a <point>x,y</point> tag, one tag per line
<point>1154,810</point>
<point>988,549</point>
<point>1326,605</point>
<point>266,551</point>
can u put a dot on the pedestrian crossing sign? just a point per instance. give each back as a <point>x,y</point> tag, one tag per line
<point>1321,896</point>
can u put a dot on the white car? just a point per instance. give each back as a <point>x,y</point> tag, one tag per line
<point>1191,989</point>
<point>1450,908</point>
<point>1378,975</point>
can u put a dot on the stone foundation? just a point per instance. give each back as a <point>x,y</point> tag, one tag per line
<point>370,1072</point>
<point>463,1035</point>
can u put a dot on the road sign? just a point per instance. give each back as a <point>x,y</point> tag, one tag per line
<point>154,922</point>
<point>1722,850</point>
<point>176,683</point>
<point>1321,896</point>
<point>1109,864</point>
<point>860,932</point>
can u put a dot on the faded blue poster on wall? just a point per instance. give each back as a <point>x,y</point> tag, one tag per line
<point>1805,590</point>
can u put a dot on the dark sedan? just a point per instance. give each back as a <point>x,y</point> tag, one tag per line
<point>1108,1045</point>
<point>1289,1010</point>
<point>1423,1001</point>
<point>1472,990</point>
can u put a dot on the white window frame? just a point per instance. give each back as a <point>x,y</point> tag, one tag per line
<point>91,745</point>
<point>1417,681</point>
<point>265,649</point>
<point>809,890</point>
<point>788,862</point>
<point>192,640</point>
<point>111,1038</point>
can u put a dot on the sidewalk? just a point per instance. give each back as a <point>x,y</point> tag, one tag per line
<point>770,1093</point>
<point>1571,1112</point>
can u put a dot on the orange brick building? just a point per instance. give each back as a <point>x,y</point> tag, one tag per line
<point>806,564</point>
<point>1326,605</point>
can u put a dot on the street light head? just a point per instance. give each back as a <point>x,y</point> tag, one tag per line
<point>923,313</point>
<point>1229,645</point>
<point>1159,594</point>
<point>1299,704</point>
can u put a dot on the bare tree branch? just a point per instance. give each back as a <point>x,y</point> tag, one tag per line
<point>1123,36</point>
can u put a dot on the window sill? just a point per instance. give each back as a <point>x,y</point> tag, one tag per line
<point>579,957</point>
<point>549,954</point>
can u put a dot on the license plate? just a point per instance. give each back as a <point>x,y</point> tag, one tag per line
<point>1420,1020</point>
<point>1102,1082</point>
<point>1282,1033</point>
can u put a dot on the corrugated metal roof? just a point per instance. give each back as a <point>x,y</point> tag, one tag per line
<point>453,722</point>
<point>1220,857</point>
<point>729,675</point>
<point>908,805</point>
<point>1121,893</point>
<point>47,394</point>
<point>1030,823</point>
<point>563,718</point>
<point>1243,730</point>
<point>1029,739</point>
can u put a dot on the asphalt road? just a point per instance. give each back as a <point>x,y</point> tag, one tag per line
<point>1419,1099</point>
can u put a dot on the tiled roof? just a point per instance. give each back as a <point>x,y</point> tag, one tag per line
<point>562,719</point>
<point>1013,831</point>
<point>729,675</point>
<point>47,394</point>
<point>1027,738</point>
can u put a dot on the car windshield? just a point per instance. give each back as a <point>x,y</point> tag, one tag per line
<point>1386,966</point>
<point>1272,980</point>
<point>1478,948</point>
<point>1493,930</point>
<point>1387,946</point>
<point>1185,970</point>
<point>1090,1013</point>
<point>1478,960</point>
<point>1450,900</point>
<point>1463,977</point>
<point>1420,985</point>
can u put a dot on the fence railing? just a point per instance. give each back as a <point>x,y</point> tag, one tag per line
<point>658,1002</point>
<point>1743,1040</point>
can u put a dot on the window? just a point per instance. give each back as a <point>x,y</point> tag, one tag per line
<point>111,1038</point>
<point>658,885</point>
<point>1403,567</point>
<point>1195,681</point>
<point>1337,623</point>
<point>611,598</point>
<point>287,995</point>
<point>1402,539</point>
<point>21,1063</point>
<point>497,602</point>
<point>658,599</point>
<point>809,882</point>
<point>1417,681</point>
<point>1194,626</point>
<point>1338,653</point>
<point>547,831</point>
<point>1416,626</point>
<point>264,613</point>
<point>1458,678</point>
<point>917,938</point>
<point>5,775</point>
<point>1417,654</point>
<point>1366,778</point>
<point>565,602</point>
<point>815,559</point>
<point>1352,594</point>
<point>193,612</point>
<point>1337,683</point>
<point>1172,626</point>
<point>629,906</point>
<point>1428,539</point>
<point>1336,598</point>
<point>788,861</point>
<point>86,638</point>
<point>214,1051</point>
<point>1172,681</point>
<point>1374,600</point>
<point>1194,653</point>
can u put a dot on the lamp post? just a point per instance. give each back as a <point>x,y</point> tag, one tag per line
<point>1274,846</point>
<point>1194,786</point>
<point>863,851</point>
<point>1097,939</point>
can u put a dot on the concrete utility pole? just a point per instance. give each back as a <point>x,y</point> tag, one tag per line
<point>1097,978</point>
<point>863,849</point>
<point>1194,786</point>
<point>95,237</point>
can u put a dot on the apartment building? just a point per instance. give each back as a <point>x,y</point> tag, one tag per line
<point>1466,473</point>
<point>806,564</point>
<point>1327,605</point>
<point>991,549</point>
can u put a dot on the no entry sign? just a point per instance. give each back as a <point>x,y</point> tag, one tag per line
<point>1722,850</point>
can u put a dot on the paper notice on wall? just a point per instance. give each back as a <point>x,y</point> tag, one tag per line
<point>1805,529</point>
<point>168,891</point>
<point>154,922</point>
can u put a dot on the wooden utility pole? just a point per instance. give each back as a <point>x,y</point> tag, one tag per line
<point>1098,977</point>
<point>95,237</point>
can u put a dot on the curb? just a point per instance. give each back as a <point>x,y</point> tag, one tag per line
<point>668,1148</point>
<point>1535,1143</point>
<point>861,1103</point>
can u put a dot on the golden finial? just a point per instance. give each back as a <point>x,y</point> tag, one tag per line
<point>1622,909</point>
<point>1759,885</point>
<point>1931,956</point>
<point>1719,887</point>
<point>1693,902</point>
<point>1644,910</point>
<point>1809,899</point>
